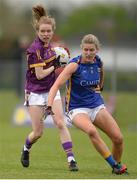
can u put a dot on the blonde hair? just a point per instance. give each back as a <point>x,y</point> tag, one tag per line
<point>40,16</point>
<point>90,39</point>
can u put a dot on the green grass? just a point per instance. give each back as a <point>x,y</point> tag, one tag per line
<point>48,161</point>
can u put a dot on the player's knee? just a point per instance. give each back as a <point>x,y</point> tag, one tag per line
<point>91,132</point>
<point>60,124</point>
<point>118,139</point>
<point>59,121</point>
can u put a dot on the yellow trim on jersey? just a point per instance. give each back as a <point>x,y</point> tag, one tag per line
<point>68,94</point>
<point>43,63</point>
<point>37,65</point>
<point>50,59</point>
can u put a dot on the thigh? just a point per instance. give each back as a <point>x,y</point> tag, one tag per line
<point>83,122</point>
<point>107,123</point>
<point>36,114</point>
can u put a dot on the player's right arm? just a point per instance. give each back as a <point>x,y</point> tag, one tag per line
<point>35,62</point>
<point>41,73</point>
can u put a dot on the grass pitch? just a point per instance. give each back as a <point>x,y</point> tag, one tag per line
<point>48,160</point>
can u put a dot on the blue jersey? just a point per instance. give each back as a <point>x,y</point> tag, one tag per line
<point>79,88</point>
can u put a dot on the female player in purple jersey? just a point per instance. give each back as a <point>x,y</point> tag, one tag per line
<point>84,103</point>
<point>40,77</point>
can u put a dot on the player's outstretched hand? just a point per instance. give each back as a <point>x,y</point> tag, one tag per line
<point>48,111</point>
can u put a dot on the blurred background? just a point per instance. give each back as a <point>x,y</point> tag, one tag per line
<point>114,22</point>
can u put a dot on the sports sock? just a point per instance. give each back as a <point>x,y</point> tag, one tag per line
<point>111,161</point>
<point>67,146</point>
<point>27,145</point>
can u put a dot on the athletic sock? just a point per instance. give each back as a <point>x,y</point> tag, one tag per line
<point>111,161</point>
<point>27,145</point>
<point>67,146</point>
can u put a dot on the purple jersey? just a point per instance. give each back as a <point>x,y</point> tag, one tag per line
<point>38,55</point>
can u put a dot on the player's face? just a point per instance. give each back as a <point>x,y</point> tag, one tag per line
<point>88,52</point>
<point>45,33</point>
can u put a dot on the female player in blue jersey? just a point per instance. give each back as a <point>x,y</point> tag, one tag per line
<point>84,103</point>
<point>40,76</point>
